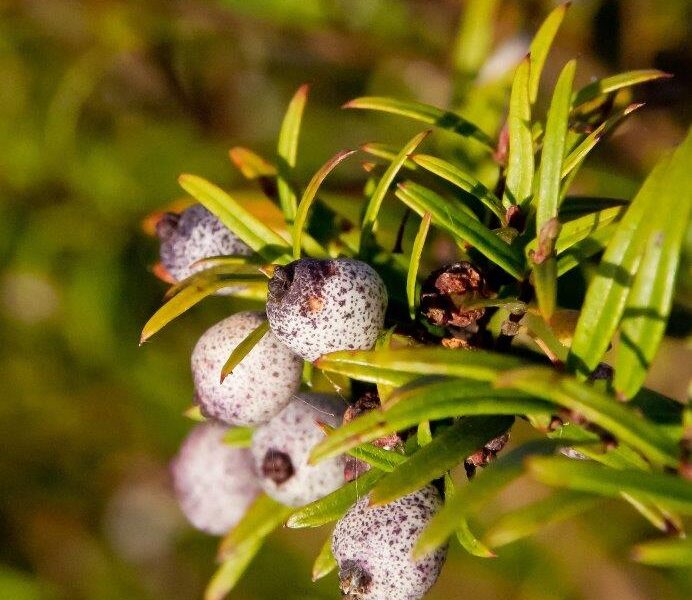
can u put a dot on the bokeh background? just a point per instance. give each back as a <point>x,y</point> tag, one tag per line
<point>103,104</point>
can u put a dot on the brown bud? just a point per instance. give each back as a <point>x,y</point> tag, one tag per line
<point>447,291</point>
<point>277,466</point>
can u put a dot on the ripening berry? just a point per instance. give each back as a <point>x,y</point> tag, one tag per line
<point>282,447</point>
<point>193,235</point>
<point>214,483</point>
<point>259,387</point>
<point>320,306</point>
<point>373,548</point>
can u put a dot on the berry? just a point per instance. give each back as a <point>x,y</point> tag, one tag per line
<point>193,235</point>
<point>282,447</point>
<point>320,306</point>
<point>373,545</point>
<point>214,483</point>
<point>259,387</point>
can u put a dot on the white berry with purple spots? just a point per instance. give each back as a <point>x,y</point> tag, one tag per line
<point>258,388</point>
<point>281,450</point>
<point>321,306</point>
<point>373,547</point>
<point>191,236</point>
<point>214,482</point>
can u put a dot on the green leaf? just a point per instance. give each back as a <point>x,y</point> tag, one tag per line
<point>472,364</point>
<point>239,437</point>
<point>243,542</point>
<point>465,536</point>
<point>529,519</point>
<point>607,293</point>
<point>574,207</point>
<point>462,180</point>
<point>288,149</point>
<point>596,407</point>
<point>548,195</point>
<point>553,153</point>
<point>540,47</point>
<point>615,83</point>
<point>414,262</point>
<point>251,165</point>
<point>264,241</point>
<point>187,298</point>
<point>577,254</point>
<point>219,272</point>
<point>477,493</point>
<point>665,552</point>
<point>428,398</point>
<point>309,196</point>
<point>520,162</point>
<point>378,195</point>
<point>244,348</point>
<point>424,113</point>
<point>575,230</point>
<point>386,152</point>
<point>325,562</point>
<point>263,517</point>
<point>462,227</point>
<point>649,302</point>
<point>668,490</point>
<point>446,451</point>
<point>580,152</point>
<point>384,460</point>
<point>333,506</point>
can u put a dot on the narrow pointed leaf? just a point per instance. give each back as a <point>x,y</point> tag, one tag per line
<point>241,545</point>
<point>548,194</point>
<point>250,164</point>
<point>599,408</point>
<point>219,272</point>
<point>464,535</point>
<point>462,227</point>
<point>446,451</point>
<point>429,399</point>
<point>184,300</point>
<point>665,552</point>
<point>462,180</point>
<point>414,262</point>
<point>529,519</point>
<point>520,162</point>
<point>386,152</point>
<point>668,490</point>
<point>309,196</point>
<point>263,516</point>
<point>244,348</point>
<point>591,245</point>
<point>615,83</point>
<point>575,230</point>
<point>581,151</point>
<point>264,241</point>
<point>474,39</point>
<point>325,562</point>
<point>649,302</point>
<point>424,113</point>
<point>472,364</point>
<point>287,151</point>
<point>540,47</point>
<point>333,506</point>
<point>378,195</point>
<point>467,500</point>
<point>608,291</point>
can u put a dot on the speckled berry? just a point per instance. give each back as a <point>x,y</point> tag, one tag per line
<point>282,447</point>
<point>320,306</point>
<point>214,483</point>
<point>191,236</point>
<point>373,548</point>
<point>259,387</point>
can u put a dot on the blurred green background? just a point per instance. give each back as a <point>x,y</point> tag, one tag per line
<point>102,105</point>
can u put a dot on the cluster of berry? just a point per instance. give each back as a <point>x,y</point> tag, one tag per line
<point>313,307</point>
